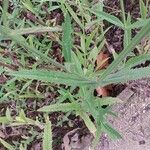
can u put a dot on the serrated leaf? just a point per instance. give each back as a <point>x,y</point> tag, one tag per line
<point>110,18</point>
<point>29,6</point>
<point>143,10</point>
<point>74,15</point>
<point>67,38</point>
<point>138,24</point>
<point>57,77</point>
<point>126,75</point>
<point>106,101</point>
<point>6,145</point>
<point>112,133</point>
<point>132,62</point>
<point>47,136</point>
<point>60,107</point>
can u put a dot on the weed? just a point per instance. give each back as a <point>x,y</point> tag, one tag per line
<point>27,53</point>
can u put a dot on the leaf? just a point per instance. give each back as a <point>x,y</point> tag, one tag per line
<point>127,32</point>
<point>6,32</point>
<point>89,124</point>
<point>126,75</point>
<point>6,145</point>
<point>73,14</point>
<point>40,29</point>
<point>143,10</point>
<point>138,24</point>
<point>67,38</point>
<point>112,133</point>
<point>106,101</point>
<point>4,120</point>
<point>60,107</point>
<point>57,77</point>
<point>47,136</point>
<point>4,12</point>
<point>145,31</point>
<point>29,6</point>
<point>110,18</point>
<point>132,62</point>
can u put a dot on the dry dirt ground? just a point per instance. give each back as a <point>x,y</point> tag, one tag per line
<point>133,122</point>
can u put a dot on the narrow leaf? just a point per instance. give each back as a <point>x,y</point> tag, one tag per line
<point>60,107</point>
<point>132,62</point>
<point>143,10</point>
<point>126,75</point>
<point>6,145</point>
<point>74,15</point>
<point>57,77</point>
<point>110,18</point>
<point>90,125</point>
<point>106,101</point>
<point>47,136</point>
<point>67,38</point>
<point>112,133</point>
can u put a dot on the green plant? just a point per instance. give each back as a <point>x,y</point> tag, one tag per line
<point>79,62</point>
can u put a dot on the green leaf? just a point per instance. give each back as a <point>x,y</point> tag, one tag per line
<point>106,101</point>
<point>4,120</point>
<point>132,62</point>
<point>47,136</point>
<point>6,145</point>
<point>4,12</point>
<point>39,29</point>
<point>89,124</point>
<point>112,133</point>
<point>110,18</point>
<point>145,31</point>
<point>126,75</point>
<point>127,32</point>
<point>67,38</point>
<point>138,24</point>
<point>143,10</point>
<point>73,14</point>
<point>29,6</point>
<point>60,107</point>
<point>57,77</point>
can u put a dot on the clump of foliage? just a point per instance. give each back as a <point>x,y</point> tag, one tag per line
<point>78,68</point>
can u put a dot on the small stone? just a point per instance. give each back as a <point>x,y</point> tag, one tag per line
<point>141,142</point>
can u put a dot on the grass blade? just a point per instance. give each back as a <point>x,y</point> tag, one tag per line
<point>47,136</point>
<point>67,39</point>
